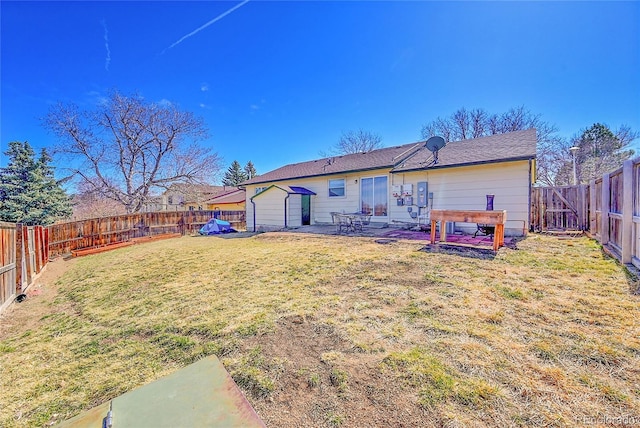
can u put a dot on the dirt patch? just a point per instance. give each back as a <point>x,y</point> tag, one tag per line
<point>323,380</point>
<point>27,313</point>
<point>461,250</point>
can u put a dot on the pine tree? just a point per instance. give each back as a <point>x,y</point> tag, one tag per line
<point>250,170</point>
<point>29,193</point>
<point>601,151</point>
<point>234,175</point>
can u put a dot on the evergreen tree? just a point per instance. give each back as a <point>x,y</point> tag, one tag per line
<point>29,193</point>
<point>600,150</point>
<point>234,175</point>
<point>250,170</point>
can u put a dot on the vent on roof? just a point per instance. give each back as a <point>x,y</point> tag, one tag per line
<point>435,144</point>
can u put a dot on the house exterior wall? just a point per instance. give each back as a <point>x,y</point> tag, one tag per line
<point>236,206</point>
<point>463,188</point>
<point>321,204</point>
<point>269,210</point>
<point>172,201</point>
<point>294,211</point>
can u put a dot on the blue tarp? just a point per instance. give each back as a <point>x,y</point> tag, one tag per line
<point>215,226</point>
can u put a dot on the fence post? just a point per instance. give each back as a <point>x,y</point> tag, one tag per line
<point>627,209</point>
<point>541,210</point>
<point>592,207</point>
<point>605,209</point>
<point>37,247</point>
<point>46,244</point>
<point>19,258</point>
<point>583,211</point>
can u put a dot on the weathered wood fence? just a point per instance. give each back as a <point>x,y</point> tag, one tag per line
<point>23,255</point>
<point>560,208</point>
<point>25,250</point>
<point>608,209</point>
<point>98,232</point>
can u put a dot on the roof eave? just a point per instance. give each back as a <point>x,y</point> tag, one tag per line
<point>351,171</point>
<point>514,159</point>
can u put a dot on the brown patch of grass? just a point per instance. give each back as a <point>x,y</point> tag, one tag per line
<point>335,331</point>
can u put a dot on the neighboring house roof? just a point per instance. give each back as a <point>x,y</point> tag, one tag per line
<point>291,190</point>
<point>415,156</point>
<point>236,196</point>
<point>192,188</point>
<point>192,192</point>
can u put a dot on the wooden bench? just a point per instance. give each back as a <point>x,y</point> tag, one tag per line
<point>498,218</point>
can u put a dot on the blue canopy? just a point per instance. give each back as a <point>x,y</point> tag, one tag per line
<point>215,226</point>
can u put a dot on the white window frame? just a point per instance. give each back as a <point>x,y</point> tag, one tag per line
<point>344,187</point>
<point>373,177</point>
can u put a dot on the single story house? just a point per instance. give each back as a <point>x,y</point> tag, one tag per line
<point>231,200</point>
<point>401,184</point>
<point>187,197</point>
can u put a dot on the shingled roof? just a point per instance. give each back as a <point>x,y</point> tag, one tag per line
<point>415,156</point>
<point>518,145</point>
<point>235,196</point>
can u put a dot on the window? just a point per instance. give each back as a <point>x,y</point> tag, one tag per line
<point>373,191</point>
<point>336,187</point>
<point>170,200</point>
<point>259,189</point>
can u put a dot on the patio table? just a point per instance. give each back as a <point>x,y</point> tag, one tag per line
<point>350,222</point>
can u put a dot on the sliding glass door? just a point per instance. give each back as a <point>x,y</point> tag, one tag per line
<point>373,196</point>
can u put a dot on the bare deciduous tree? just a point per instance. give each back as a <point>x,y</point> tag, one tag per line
<point>128,148</point>
<point>355,142</point>
<point>87,204</point>
<point>475,123</point>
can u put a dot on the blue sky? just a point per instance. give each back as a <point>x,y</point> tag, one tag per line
<point>276,82</point>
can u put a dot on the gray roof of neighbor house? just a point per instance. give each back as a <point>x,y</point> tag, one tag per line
<point>516,145</point>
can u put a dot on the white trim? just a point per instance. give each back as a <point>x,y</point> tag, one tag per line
<point>344,188</point>
<point>373,177</point>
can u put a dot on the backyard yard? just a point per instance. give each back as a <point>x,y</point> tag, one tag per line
<point>336,331</point>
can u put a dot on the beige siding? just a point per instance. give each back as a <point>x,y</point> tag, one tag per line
<point>465,188</point>
<point>452,188</point>
<point>294,211</point>
<point>321,204</point>
<point>269,209</point>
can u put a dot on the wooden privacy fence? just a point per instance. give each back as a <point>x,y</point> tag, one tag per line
<point>24,253</point>
<point>560,208</point>
<point>608,209</point>
<point>98,232</point>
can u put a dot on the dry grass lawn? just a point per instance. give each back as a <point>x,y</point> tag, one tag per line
<point>337,331</point>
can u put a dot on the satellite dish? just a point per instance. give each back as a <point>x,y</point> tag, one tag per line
<point>434,144</point>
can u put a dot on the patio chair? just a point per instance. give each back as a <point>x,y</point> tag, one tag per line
<point>357,223</point>
<point>360,220</point>
<point>344,223</point>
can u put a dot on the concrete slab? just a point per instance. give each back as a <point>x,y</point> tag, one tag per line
<point>199,395</point>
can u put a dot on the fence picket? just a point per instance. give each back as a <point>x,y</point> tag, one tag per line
<point>608,208</point>
<point>93,233</point>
